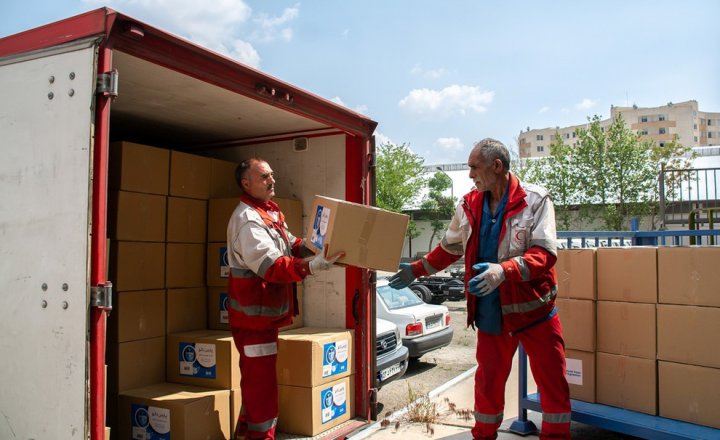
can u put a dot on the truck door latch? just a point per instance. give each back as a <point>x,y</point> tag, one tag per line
<point>107,83</point>
<point>101,296</point>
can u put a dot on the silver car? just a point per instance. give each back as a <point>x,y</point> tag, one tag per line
<point>392,356</point>
<point>423,327</point>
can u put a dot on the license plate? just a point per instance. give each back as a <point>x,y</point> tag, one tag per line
<point>431,323</point>
<point>390,371</point>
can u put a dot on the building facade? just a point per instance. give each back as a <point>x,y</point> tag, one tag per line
<point>694,127</point>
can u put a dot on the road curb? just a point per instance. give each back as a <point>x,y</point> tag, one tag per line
<point>365,433</point>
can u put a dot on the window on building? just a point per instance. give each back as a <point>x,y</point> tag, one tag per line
<point>662,130</point>
<point>540,148</point>
<point>539,137</point>
<point>567,135</point>
<point>644,132</point>
<point>662,144</point>
<point>661,117</point>
<point>710,122</point>
<point>643,119</point>
<point>695,138</point>
<point>710,134</point>
<point>574,134</point>
<point>522,140</point>
<point>694,126</point>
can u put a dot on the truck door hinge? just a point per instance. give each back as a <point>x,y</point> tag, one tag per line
<point>107,83</point>
<point>101,296</point>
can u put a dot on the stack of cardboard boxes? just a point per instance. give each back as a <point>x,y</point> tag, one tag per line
<point>651,327</point>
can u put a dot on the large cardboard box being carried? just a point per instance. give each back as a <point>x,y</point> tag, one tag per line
<point>689,393</point>
<point>312,410</point>
<point>576,273</point>
<point>172,411</point>
<point>206,358</point>
<point>370,237</point>
<point>310,356</point>
<point>580,374</point>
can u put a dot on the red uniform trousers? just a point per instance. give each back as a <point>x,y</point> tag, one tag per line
<point>546,351</point>
<point>258,383</point>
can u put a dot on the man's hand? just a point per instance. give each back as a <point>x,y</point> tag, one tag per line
<point>321,261</point>
<point>490,277</point>
<point>403,278</point>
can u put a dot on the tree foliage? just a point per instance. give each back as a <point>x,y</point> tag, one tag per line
<point>437,205</point>
<point>610,175</point>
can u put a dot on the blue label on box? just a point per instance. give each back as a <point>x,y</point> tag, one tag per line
<point>320,225</point>
<point>150,423</point>
<point>223,305</point>
<point>197,360</point>
<point>333,402</point>
<point>223,262</point>
<point>335,358</point>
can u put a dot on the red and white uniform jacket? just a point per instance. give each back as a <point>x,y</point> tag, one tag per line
<point>527,251</point>
<point>265,264</point>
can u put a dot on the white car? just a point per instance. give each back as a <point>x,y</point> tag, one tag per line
<point>392,356</point>
<point>423,327</point>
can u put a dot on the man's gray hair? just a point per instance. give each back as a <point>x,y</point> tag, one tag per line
<point>492,149</point>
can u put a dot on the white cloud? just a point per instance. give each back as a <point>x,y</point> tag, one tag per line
<point>452,144</point>
<point>543,109</point>
<point>218,25</point>
<point>451,100</point>
<point>358,109</point>
<point>381,139</point>
<point>432,73</point>
<point>275,28</point>
<point>585,104</point>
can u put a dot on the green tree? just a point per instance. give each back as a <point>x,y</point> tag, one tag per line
<point>399,179</point>
<point>438,206</point>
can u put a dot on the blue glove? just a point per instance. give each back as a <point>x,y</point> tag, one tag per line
<point>490,276</point>
<point>403,278</point>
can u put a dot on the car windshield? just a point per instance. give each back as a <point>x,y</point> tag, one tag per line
<point>398,299</point>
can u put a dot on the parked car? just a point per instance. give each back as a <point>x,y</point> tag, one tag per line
<point>423,327</point>
<point>392,355</point>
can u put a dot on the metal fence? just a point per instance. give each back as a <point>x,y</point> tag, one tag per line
<point>683,191</point>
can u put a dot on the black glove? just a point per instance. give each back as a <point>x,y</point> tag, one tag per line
<point>403,278</point>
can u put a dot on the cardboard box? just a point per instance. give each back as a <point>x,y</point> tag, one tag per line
<point>219,213</point>
<point>627,382</point>
<point>136,217</point>
<point>222,179</point>
<point>137,315</point>
<point>310,411</point>
<point>186,309</point>
<point>576,273</point>
<point>139,168</point>
<point>578,323</point>
<point>135,364</point>
<point>189,175</point>
<point>626,328</point>
<point>627,274</point>
<point>185,265</point>
<point>371,237</point>
<point>689,275</point>
<point>177,412</point>
<point>689,393</point>
<point>310,356</point>
<point>206,358</point>
<point>218,266</point>
<point>137,265</point>
<point>687,333</point>
<point>580,374</point>
<point>187,220</point>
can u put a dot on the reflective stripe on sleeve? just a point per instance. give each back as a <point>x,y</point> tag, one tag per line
<point>455,248</point>
<point>241,273</point>
<point>524,269</point>
<point>265,265</point>
<point>260,350</point>
<point>428,268</point>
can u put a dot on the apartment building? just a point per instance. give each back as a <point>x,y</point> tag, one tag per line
<point>694,127</point>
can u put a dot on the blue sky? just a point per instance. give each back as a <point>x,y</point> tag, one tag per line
<point>440,75</point>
